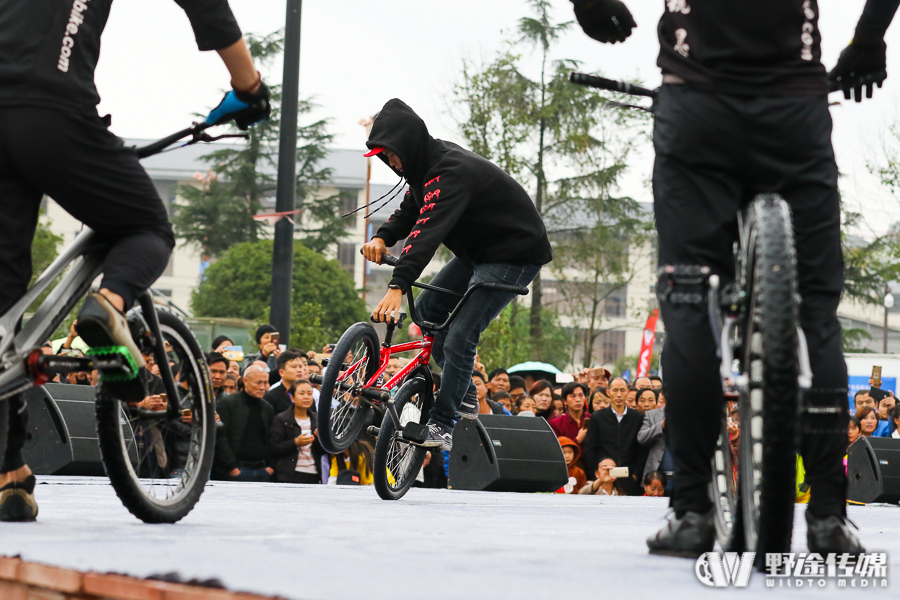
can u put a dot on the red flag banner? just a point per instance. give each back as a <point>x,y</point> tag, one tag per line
<point>643,368</point>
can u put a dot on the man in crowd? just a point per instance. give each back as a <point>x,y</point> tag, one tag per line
<point>269,350</point>
<point>242,443</point>
<point>498,381</point>
<point>517,389</point>
<point>573,423</point>
<point>486,406</point>
<point>218,370</point>
<point>656,382</point>
<point>642,383</point>
<point>652,437</point>
<point>861,399</point>
<point>291,368</point>
<point>612,432</point>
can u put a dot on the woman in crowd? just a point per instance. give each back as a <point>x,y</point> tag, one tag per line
<point>220,343</point>
<point>604,484</point>
<point>525,407</point>
<point>654,484</point>
<point>894,420</point>
<point>542,392</point>
<point>647,399</point>
<point>868,420</point>
<point>599,399</point>
<point>557,407</point>
<point>358,457</point>
<point>292,439</point>
<point>852,431</point>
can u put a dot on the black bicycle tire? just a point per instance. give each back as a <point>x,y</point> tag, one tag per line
<point>357,332</point>
<point>413,386</point>
<point>122,476</point>
<point>770,355</point>
<point>4,426</point>
<point>722,488</point>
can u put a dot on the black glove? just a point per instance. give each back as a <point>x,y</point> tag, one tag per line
<point>860,65</point>
<point>607,21</point>
<point>244,108</point>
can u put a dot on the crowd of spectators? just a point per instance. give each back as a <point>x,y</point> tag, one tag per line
<point>611,431</point>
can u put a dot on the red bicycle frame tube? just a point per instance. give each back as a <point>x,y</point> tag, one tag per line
<point>420,359</point>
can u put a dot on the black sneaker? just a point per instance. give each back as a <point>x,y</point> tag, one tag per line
<point>831,535</point>
<point>438,437</point>
<point>100,324</point>
<point>17,501</point>
<point>469,407</point>
<point>689,536</point>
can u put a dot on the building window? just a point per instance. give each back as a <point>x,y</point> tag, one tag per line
<point>347,256</point>
<point>610,345</point>
<point>348,204</point>
<point>614,305</point>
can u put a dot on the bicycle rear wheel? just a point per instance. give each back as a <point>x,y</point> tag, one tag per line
<point>769,407</point>
<point>722,490</point>
<point>342,411</point>
<point>159,466</point>
<point>397,462</point>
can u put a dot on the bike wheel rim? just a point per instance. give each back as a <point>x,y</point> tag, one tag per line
<point>403,456</point>
<point>350,408</point>
<point>164,491</point>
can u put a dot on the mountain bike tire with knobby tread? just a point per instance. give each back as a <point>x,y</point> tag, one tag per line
<point>769,408</point>
<point>340,426</point>
<point>129,486</point>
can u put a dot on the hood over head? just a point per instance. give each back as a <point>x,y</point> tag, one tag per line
<point>564,441</point>
<point>399,129</point>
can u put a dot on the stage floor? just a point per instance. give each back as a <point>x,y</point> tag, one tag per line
<point>321,542</point>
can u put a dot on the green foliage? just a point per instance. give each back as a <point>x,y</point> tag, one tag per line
<point>220,213</point>
<point>853,339</point>
<point>558,138</point>
<point>869,265</point>
<point>44,248</point>
<point>238,285</point>
<point>506,341</point>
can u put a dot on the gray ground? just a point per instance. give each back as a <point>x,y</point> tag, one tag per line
<point>312,542</point>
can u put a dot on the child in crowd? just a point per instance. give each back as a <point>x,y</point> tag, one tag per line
<point>654,484</point>
<point>604,484</point>
<point>577,479</point>
<point>525,407</point>
<point>358,457</point>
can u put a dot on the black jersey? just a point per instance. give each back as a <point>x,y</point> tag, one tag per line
<point>732,46</point>
<point>49,48</point>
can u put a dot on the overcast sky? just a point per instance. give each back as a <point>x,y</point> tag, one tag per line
<point>356,54</point>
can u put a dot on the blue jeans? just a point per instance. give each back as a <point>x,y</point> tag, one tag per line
<point>454,347</point>
<point>247,474</point>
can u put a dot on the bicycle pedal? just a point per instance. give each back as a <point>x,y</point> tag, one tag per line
<point>415,433</point>
<point>114,363</point>
<point>373,430</point>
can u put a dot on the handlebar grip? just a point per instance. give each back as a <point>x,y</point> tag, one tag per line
<point>387,259</point>
<point>521,290</point>
<point>610,84</point>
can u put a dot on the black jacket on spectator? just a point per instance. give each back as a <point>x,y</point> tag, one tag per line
<point>279,399</point>
<point>234,411</point>
<point>284,451</point>
<point>607,437</point>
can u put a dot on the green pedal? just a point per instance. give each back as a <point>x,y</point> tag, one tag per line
<point>114,363</point>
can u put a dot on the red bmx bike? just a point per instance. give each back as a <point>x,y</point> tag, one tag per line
<point>353,382</point>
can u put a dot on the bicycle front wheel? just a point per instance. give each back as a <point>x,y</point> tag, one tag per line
<point>769,407</point>
<point>159,466</point>
<point>342,411</point>
<point>4,426</point>
<point>397,462</point>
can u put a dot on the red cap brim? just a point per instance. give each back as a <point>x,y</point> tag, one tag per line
<point>374,151</point>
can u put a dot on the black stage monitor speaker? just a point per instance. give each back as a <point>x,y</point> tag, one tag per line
<point>62,431</point>
<point>873,470</point>
<point>498,453</point>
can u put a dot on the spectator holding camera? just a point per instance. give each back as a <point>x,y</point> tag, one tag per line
<point>292,440</point>
<point>605,483</point>
<point>612,433</point>
<point>269,350</point>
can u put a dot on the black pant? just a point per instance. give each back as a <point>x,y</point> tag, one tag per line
<point>87,170</point>
<point>714,153</point>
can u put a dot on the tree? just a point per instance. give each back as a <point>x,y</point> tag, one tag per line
<point>324,300</point>
<point>44,248</point>
<point>506,341</point>
<point>220,212</point>
<point>558,136</point>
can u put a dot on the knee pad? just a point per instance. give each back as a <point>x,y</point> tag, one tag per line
<point>683,284</point>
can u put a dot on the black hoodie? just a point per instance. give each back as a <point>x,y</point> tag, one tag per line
<point>456,198</point>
